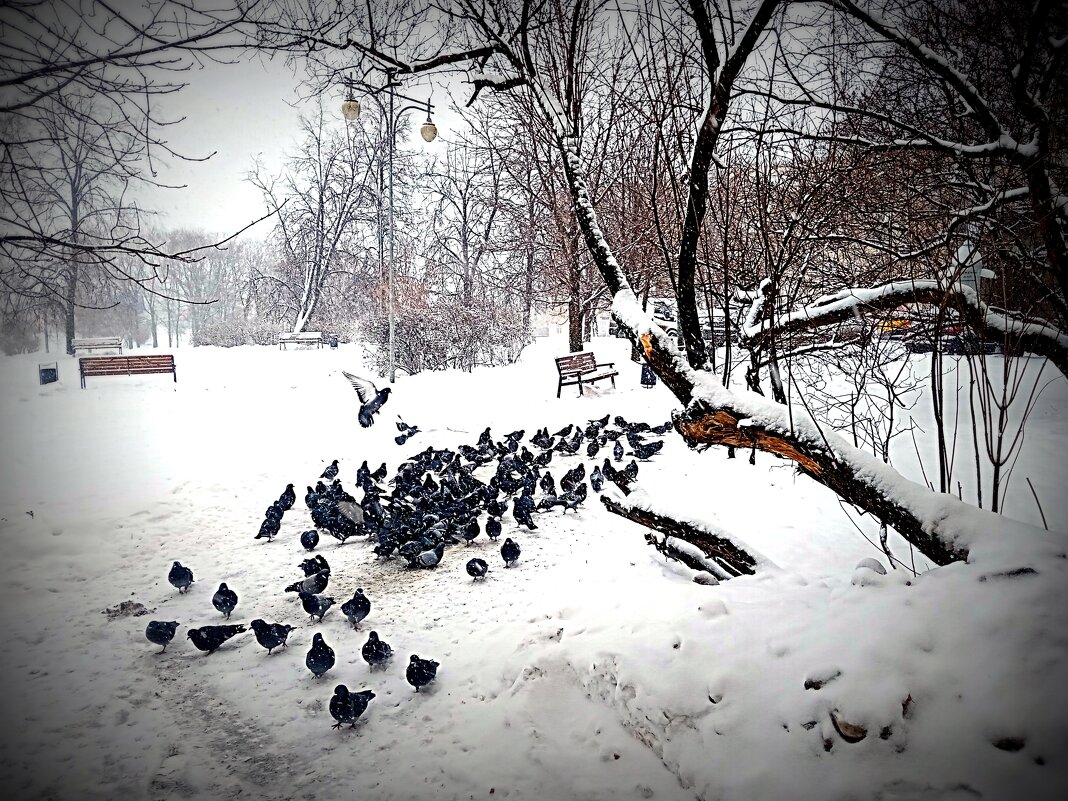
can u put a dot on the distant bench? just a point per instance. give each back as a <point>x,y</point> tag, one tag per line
<point>126,365</point>
<point>83,346</point>
<point>303,338</point>
<point>581,369</point>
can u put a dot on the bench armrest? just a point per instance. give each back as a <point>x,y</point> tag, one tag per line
<point>606,364</point>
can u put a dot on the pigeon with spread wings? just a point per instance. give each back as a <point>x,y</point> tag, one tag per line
<point>371,397</point>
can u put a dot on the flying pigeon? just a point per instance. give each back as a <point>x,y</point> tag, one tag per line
<point>375,651</point>
<point>421,672</point>
<point>356,608</point>
<point>346,707</point>
<point>271,635</point>
<point>477,568</point>
<point>224,600</point>
<point>208,638</point>
<point>180,577</point>
<point>161,632</point>
<point>371,398</point>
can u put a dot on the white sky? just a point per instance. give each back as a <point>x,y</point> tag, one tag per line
<point>240,111</point>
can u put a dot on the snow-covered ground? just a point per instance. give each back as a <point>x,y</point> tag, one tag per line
<point>593,669</point>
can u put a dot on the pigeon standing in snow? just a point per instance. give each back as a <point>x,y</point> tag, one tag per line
<point>421,672</point>
<point>314,583</point>
<point>356,608</point>
<point>180,576</point>
<point>617,451</point>
<point>224,600</point>
<point>271,635</point>
<point>371,398</point>
<point>209,638</point>
<point>346,707</point>
<point>509,552</point>
<point>375,651</point>
<point>477,568</point>
<point>331,471</point>
<point>287,498</point>
<point>320,657</point>
<point>431,557</point>
<point>161,632</point>
<point>315,605</point>
<point>309,539</point>
<point>493,528</point>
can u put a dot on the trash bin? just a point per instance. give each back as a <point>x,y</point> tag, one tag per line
<point>48,373</point>
<point>333,343</point>
<point>648,376</point>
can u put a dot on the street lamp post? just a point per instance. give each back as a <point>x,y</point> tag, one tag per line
<point>350,109</point>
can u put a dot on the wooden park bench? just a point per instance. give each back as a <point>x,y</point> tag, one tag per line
<point>88,345</point>
<point>126,365</point>
<point>581,369</point>
<point>303,338</point>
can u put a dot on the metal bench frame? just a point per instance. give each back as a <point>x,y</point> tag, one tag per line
<point>581,369</point>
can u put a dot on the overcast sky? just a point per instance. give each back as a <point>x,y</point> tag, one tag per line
<point>238,110</point>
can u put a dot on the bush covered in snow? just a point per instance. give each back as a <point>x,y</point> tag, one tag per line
<point>448,334</point>
<point>227,334</point>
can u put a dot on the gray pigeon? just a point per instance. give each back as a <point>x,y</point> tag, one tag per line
<point>346,707</point>
<point>224,600</point>
<point>371,398</point>
<point>180,576</point>
<point>320,657</point>
<point>161,632</point>
<point>356,608</point>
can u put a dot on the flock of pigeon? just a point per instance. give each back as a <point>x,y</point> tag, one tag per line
<point>434,501</point>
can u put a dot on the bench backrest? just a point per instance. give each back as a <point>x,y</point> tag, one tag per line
<point>576,364</point>
<point>302,335</point>
<point>109,365</point>
<point>97,342</point>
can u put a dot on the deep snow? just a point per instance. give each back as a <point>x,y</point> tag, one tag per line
<point>593,669</point>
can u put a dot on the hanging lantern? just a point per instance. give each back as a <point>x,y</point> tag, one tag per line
<point>429,131</point>
<point>350,109</point>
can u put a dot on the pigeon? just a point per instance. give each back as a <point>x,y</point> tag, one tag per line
<point>287,498</point>
<point>315,605</point>
<point>314,565</point>
<point>617,451</point>
<point>224,600</point>
<point>592,448</point>
<point>268,529</point>
<point>161,632</point>
<point>565,432</point>
<point>646,450</point>
<point>662,429</point>
<point>271,635</point>
<point>380,473</point>
<point>493,528</point>
<point>309,539</point>
<point>331,471</point>
<point>477,568</point>
<point>313,584</point>
<point>421,672</point>
<point>356,608</point>
<point>509,552</point>
<point>371,398</point>
<point>431,557</point>
<point>208,638</point>
<point>547,484</point>
<point>346,707</point>
<point>320,657</point>
<point>543,458</point>
<point>471,531</point>
<point>180,577</point>
<point>375,651</point>
<point>521,510</point>
<point>596,479</point>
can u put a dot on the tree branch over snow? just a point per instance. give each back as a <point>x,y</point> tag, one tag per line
<point>1034,336</point>
<point>721,554</point>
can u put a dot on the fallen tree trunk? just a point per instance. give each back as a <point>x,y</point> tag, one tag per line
<point>723,557</point>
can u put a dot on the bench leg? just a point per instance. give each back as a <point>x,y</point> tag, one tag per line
<point>581,390</point>
<point>559,387</point>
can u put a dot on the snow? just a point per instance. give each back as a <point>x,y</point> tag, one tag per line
<point>593,669</point>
